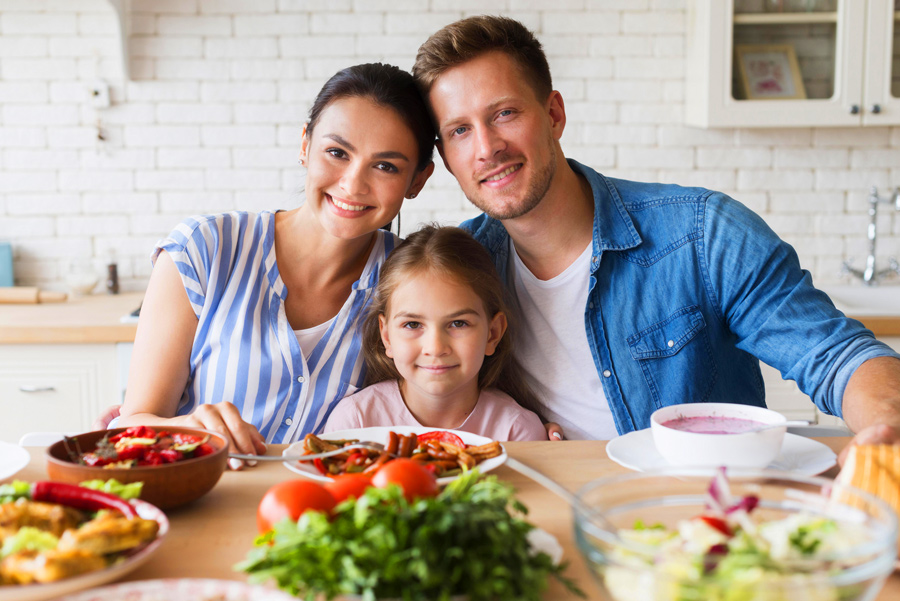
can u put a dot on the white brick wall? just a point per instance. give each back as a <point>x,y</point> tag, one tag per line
<point>211,121</point>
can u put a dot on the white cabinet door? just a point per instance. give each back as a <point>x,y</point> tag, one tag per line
<point>882,85</point>
<point>58,388</point>
<point>847,58</point>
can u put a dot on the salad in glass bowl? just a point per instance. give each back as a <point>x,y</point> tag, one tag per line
<point>766,535</point>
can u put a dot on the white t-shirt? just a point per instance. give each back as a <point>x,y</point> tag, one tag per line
<point>310,337</point>
<point>552,347</point>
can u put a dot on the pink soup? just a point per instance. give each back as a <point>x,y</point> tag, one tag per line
<point>709,424</point>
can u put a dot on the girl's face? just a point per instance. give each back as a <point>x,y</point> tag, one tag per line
<point>361,162</point>
<point>438,334</point>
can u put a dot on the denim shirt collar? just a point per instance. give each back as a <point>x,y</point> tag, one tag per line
<point>613,227</point>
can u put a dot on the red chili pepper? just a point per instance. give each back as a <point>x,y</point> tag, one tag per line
<point>80,497</point>
<point>320,465</point>
<point>717,523</point>
<point>443,436</point>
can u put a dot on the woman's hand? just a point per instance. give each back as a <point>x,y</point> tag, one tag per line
<point>225,419</point>
<point>554,431</point>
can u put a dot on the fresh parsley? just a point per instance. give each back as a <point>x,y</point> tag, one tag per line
<point>464,542</point>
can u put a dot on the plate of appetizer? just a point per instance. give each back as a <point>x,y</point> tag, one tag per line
<point>59,538</point>
<point>448,453</point>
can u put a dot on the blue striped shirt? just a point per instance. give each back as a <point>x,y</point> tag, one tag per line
<point>245,350</point>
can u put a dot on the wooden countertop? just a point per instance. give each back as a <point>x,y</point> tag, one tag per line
<point>86,319</point>
<point>216,531</point>
<point>95,318</point>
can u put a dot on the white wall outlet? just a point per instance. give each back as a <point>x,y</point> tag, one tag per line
<point>98,94</point>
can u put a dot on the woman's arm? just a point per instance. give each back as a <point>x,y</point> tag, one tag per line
<point>160,366</point>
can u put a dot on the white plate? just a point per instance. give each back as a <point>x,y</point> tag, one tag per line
<point>12,459</point>
<point>182,589</point>
<point>801,455</point>
<point>380,435</point>
<point>53,590</point>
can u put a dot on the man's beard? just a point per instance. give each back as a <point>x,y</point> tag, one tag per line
<point>537,189</point>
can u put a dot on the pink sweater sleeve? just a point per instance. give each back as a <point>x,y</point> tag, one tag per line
<point>528,426</point>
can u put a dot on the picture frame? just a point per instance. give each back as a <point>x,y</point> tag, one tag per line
<point>769,72</point>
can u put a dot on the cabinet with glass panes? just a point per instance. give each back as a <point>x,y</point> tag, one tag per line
<point>765,63</point>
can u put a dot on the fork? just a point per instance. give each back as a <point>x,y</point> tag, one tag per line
<point>373,446</point>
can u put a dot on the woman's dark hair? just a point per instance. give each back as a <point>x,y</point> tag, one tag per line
<point>388,86</point>
<point>453,254</point>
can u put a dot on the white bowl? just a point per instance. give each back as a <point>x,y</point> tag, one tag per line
<point>697,449</point>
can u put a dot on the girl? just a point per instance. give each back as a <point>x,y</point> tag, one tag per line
<point>436,345</point>
<point>251,322</point>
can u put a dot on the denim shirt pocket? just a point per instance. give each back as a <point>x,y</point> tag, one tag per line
<point>675,357</point>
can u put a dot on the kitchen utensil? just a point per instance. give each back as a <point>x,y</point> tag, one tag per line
<point>373,446</point>
<point>29,295</point>
<point>555,487</point>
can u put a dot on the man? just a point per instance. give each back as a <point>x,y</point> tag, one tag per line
<point>633,296</point>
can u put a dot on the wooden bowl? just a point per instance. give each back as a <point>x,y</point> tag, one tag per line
<point>166,486</point>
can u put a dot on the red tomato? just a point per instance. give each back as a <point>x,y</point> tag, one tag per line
<point>348,485</point>
<point>291,499</point>
<point>442,436</point>
<point>413,478</point>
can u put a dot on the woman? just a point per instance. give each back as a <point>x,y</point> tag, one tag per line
<point>250,325</point>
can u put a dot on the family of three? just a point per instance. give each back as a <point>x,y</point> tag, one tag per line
<point>575,305</point>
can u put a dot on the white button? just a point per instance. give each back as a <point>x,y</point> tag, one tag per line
<point>301,379</point>
<point>606,373</point>
<point>671,343</point>
<point>288,421</point>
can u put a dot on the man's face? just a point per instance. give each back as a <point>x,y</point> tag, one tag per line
<point>495,136</point>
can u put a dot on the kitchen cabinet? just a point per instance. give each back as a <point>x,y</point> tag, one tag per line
<point>847,57</point>
<point>61,364</point>
<point>59,388</point>
<point>785,397</point>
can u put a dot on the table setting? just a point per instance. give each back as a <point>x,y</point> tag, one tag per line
<point>205,538</point>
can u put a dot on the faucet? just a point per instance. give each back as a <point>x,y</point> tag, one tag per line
<point>870,275</point>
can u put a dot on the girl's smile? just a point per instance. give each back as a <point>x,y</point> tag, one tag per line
<point>437,332</point>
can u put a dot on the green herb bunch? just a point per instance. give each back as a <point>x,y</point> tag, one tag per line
<point>464,542</point>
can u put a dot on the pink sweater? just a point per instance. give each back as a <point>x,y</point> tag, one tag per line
<point>496,415</point>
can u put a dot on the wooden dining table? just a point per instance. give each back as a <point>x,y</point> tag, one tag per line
<point>207,537</point>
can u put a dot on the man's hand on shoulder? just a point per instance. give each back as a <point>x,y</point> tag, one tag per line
<point>875,434</point>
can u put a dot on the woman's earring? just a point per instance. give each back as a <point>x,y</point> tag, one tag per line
<point>413,195</point>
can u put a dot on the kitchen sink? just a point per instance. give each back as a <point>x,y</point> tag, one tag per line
<point>866,300</point>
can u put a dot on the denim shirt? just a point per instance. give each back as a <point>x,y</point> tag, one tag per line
<point>688,290</point>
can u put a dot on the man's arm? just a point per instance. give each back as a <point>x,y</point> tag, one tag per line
<point>871,403</point>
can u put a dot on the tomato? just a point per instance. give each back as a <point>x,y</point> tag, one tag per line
<point>413,478</point>
<point>348,485</point>
<point>442,436</point>
<point>292,499</point>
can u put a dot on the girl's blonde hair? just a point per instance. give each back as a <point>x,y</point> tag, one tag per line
<point>452,253</point>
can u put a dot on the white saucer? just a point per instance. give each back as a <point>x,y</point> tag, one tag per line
<point>12,459</point>
<point>800,455</point>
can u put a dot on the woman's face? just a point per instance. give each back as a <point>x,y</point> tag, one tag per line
<point>361,162</point>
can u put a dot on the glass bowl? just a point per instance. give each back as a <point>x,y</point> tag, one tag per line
<point>628,568</point>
